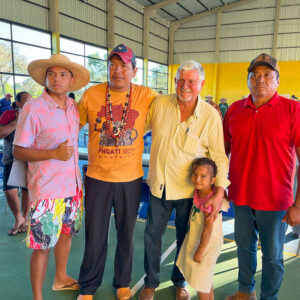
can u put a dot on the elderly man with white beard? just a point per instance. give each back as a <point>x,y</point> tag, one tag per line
<point>184,127</point>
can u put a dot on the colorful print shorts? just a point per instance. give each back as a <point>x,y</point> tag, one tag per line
<point>51,217</point>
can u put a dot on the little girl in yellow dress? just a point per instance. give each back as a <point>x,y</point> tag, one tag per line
<point>204,239</point>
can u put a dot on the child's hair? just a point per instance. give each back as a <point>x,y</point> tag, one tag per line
<point>204,161</point>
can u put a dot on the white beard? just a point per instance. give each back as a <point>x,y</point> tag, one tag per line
<point>185,99</point>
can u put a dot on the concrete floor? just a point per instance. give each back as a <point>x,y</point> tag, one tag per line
<point>14,265</point>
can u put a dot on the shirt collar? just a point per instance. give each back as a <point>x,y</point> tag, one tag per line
<point>196,113</point>
<point>198,107</point>
<point>274,100</point>
<point>51,103</point>
<point>204,199</point>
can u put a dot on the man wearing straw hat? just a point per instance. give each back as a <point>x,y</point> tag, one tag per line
<point>46,137</point>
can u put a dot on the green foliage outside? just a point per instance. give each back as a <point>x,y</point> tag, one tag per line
<point>23,83</point>
<point>97,67</point>
<point>158,78</point>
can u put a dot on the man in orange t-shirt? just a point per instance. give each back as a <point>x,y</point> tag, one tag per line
<point>116,112</point>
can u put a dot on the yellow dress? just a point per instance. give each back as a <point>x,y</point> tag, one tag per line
<point>200,275</point>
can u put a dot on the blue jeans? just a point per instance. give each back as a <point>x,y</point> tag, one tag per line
<point>250,223</point>
<point>159,212</point>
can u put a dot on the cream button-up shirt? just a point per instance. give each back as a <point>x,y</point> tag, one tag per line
<point>176,144</point>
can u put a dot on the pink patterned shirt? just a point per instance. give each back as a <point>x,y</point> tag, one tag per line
<point>43,124</point>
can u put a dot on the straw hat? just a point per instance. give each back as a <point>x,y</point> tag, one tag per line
<point>37,70</point>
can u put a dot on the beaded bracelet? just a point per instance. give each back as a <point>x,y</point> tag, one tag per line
<point>296,206</point>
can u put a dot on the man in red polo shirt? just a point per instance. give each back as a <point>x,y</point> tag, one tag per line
<point>262,133</point>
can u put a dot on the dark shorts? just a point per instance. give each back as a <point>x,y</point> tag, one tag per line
<point>6,172</point>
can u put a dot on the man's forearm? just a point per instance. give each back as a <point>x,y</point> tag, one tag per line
<point>297,197</point>
<point>28,154</point>
<point>292,216</point>
<point>216,200</point>
<point>5,130</point>
<point>220,192</point>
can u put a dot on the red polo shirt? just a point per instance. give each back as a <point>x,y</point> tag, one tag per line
<point>7,117</point>
<point>263,142</point>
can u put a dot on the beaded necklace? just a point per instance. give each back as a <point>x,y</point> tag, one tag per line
<point>114,130</point>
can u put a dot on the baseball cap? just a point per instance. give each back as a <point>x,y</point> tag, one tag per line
<point>125,53</point>
<point>8,95</point>
<point>265,60</point>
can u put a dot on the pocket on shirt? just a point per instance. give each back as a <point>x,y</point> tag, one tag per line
<point>191,146</point>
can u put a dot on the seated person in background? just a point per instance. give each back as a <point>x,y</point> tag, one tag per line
<point>223,106</point>
<point>8,123</point>
<point>72,95</point>
<point>14,105</point>
<point>204,239</point>
<point>209,100</point>
<point>293,97</point>
<point>5,103</point>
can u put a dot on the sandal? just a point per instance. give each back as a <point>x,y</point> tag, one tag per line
<point>72,287</point>
<point>13,231</point>
<point>23,228</point>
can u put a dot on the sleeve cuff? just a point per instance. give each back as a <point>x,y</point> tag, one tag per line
<point>223,182</point>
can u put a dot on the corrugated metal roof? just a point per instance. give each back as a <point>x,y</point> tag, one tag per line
<point>184,8</point>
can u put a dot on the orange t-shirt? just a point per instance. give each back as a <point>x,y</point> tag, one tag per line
<point>107,162</point>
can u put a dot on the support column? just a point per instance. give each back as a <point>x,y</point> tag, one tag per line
<point>276,25</point>
<point>54,25</point>
<point>172,28</point>
<point>217,55</point>
<point>149,12</point>
<point>110,24</point>
<point>170,79</point>
<point>145,73</point>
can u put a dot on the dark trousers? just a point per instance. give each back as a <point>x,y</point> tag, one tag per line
<point>159,212</point>
<point>100,197</point>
